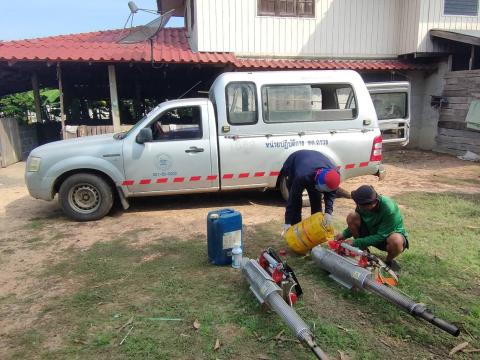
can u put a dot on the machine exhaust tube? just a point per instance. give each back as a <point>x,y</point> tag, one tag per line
<point>267,291</point>
<point>350,275</point>
<point>413,308</point>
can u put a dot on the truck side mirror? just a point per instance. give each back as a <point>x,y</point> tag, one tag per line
<point>145,135</point>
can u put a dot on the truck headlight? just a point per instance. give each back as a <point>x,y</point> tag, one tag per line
<point>33,164</point>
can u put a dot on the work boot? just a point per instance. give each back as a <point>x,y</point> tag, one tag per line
<point>393,265</point>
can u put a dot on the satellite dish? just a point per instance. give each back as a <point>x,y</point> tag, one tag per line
<point>148,31</point>
<point>144,32</point>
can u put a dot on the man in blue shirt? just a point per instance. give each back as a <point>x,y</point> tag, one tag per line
<point>312,171</point>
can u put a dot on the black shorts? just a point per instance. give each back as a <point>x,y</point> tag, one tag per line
<point>383,245</point>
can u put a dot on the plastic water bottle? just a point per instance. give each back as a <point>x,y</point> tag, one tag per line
<point>236,257</point>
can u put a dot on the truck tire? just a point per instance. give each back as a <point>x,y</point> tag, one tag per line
<point>85,197</point>
<point>284,192</point>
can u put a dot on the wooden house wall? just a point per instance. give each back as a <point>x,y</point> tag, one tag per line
<point>461,87</point>
<point>340,28</point>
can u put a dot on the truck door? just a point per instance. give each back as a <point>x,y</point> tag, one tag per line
<point>179,158</point>
<point>392,104</point>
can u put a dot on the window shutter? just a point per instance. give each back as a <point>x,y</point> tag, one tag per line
<point>266,7</point>
<point>286,7</point>
<point>305,8</point>
<point>461,7</point>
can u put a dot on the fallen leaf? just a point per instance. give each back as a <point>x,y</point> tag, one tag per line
<point>458,348</point>
<point>342,328</point>
<point>384,343</point>
<point>279,335</point>
<point>196,324</point>
<point>262,357</point>
<point>129,321</point>
<point>217,345</point>
<point>343,356</point>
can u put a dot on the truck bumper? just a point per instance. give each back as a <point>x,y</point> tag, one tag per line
<point>38,187</point>
<point>382,172</point>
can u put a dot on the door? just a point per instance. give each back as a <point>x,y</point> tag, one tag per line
<point>392,104</point>
<point>178,159</point>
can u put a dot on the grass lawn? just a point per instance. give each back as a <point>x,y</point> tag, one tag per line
<point>150,296</point>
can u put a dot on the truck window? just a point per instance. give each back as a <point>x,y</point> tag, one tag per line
<point>182,123</point>
<point>308,102</point>
<point>390,105</point>
<point>241,103</point>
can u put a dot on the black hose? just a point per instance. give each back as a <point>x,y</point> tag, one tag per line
<point>410,306</point>
<point>421,311</point>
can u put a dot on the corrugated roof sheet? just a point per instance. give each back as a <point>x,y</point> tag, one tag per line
<point>170,46</point>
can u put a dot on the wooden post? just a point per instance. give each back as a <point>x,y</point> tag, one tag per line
<point>472,58</point>
<point>36,97</point>
<point>114,98</point>
<point>62,107</point>
<point>137,101</point>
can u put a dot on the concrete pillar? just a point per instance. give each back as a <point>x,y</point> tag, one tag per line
<point>114,98</point>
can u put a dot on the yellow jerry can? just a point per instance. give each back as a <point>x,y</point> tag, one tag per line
<point>308,233</point>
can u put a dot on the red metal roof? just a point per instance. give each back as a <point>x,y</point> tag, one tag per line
<point>327,64</point>
<point>170,46</point>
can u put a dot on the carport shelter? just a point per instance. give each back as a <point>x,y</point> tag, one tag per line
<point>93,70</point>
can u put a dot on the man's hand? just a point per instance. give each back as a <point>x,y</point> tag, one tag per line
<point>327,219</point>
<point>285,228</point>
<point>339,237</point>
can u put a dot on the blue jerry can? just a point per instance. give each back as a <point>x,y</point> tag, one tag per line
<point>224,232</point>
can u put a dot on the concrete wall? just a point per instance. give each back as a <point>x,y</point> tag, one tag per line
<point>424,117</point>
<point>28,139</point>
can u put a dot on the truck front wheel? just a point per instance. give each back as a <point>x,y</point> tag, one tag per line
<point>85,197</point>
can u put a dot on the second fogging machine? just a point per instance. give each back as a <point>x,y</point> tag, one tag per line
<point>351,274</point>
<point>274,283</point>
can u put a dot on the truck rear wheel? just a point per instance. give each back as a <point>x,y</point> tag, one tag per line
<point>284,191</point>
<point>85,197</point>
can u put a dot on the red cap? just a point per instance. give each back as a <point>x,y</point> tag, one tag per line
<point>332,179</point>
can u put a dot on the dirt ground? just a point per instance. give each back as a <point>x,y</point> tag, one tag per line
<point>27,223</point>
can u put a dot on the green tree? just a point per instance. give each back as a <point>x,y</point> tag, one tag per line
<point>20,104</point>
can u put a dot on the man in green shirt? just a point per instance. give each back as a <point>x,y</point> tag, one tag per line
<point>376,222</point>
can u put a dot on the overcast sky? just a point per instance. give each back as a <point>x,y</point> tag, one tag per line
<point>25,19</point>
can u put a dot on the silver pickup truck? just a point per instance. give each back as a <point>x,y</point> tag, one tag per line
<point>236,139</point>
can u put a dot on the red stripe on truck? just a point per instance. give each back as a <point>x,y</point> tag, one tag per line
<point>145,181</point>
<point>211,177</point>
<point>127,182</point>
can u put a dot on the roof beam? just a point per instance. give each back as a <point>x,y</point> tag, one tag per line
<point>465,38</point>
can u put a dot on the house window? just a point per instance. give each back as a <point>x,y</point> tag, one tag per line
<point>300,8</point>
<point>461,7</point>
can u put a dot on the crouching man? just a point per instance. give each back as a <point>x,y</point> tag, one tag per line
<point>376,222</point>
